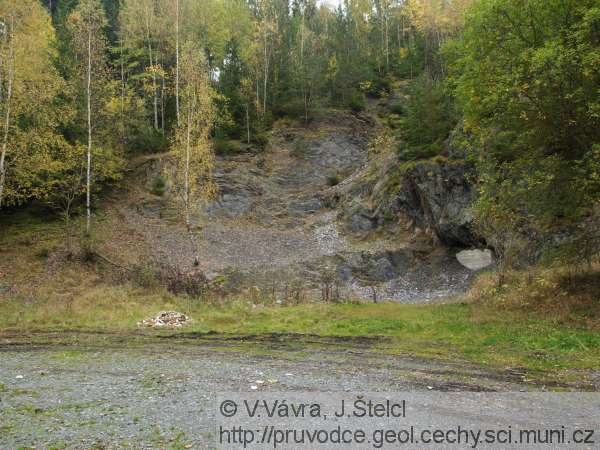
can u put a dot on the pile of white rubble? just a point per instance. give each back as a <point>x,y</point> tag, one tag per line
<point>166,319</point>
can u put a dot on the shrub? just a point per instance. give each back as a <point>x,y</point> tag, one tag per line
<point>396,108</point>
<point>147,140</point>
<point>378,87</point>
<point>225,146</point>
<point>333,180</point>
<point>290,108</point>
<point>261,139</point>
<point>145,275</point>
<point>178,281</point>
<point>43,252</point>
<point>357,102</point>
<point>159,186</point>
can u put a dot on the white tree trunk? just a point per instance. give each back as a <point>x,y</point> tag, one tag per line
<point>186,172</point>
<point>162,106</point>
<point>258,92</point>
<point>154,88</point>
<point>387,40</point>
<point>123,88</point>
<point>177,60</point>
<point>186,188</point>
<point>266,74</point>
<point>11,75</point>
<point>89,149</point>
<point>302,41</point>
<point>248,122</point>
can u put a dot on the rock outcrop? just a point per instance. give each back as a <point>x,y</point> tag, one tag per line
<point>437,195</point>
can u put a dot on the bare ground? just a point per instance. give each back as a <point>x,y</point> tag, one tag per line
<point>110,391</point>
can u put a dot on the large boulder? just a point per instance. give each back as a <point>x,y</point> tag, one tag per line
<point>475,259</point>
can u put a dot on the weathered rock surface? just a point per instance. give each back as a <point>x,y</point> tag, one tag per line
<point>279,228</point>
<point>438,196</point>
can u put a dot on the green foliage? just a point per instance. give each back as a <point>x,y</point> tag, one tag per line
<point>33,111</point>
<point>333,180</point>
<point>145,139</point>
<point>397,108</point>
<point>159,186</point>
<point>541,86</point>
<point>429,117</point>
<point>274,59</point>
<point>357,102</point>
<point>377,87</point>
<point>291,107</point>
<point>532,108</point>
<point>261,139</point>
<point>225,147</point>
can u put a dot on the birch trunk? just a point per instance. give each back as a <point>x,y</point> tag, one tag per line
<point>122,97</point>
<point>266,74</point>
<point>186,187</point>
<point>248,122</point>
<point>387,41</point>
<point>177,60</point>
<point>89,149</point>
<point>302,41</point>
<point>11,75</point>
<point>154,88</point>
<point>162,106</point>
<point>258,92</point>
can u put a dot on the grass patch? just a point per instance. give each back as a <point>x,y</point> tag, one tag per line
<point>224,147</point>
<point>486,334</point>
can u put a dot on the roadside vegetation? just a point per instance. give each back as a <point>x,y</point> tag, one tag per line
<point>490,329</point>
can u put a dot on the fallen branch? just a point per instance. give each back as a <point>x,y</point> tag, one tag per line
<point>105,259</point>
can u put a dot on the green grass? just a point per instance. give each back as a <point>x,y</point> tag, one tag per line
<point>483,334</point>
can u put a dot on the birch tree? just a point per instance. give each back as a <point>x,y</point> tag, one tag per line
<point>29,115</point>
<point>177,10</point>
<point>9,61</point>
<point>192,149</point>
<point>87,22</point>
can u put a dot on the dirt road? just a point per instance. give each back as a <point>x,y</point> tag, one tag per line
<point>74,391</point>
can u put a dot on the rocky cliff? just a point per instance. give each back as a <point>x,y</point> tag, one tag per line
<point>437,196</point>
<point>432,196</point>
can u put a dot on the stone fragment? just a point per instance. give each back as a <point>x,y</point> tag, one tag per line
<point>475,259</point>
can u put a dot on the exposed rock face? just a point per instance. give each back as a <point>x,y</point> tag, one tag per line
<point>359,219</point>
<point>312,213</point>
<point>438,196</point>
